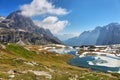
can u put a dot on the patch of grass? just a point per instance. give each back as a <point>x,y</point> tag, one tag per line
<point>27,76</point>
<point>55,64</point>
<point>3,75</point>
<point>20,51</point>
<point>117,75</point>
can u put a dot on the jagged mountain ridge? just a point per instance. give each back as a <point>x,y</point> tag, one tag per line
<point>17,26</point>
<point>109,34</point>
<point>106,35</point>
<point>21,22</point>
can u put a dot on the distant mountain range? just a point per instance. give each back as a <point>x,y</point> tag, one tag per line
<point>106,35</point>
<point>17,27</point>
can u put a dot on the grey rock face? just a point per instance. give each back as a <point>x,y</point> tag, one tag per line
<point>17,26</point>
<point>85,38</point>
<point>20,22</point>
<point>109,34</point>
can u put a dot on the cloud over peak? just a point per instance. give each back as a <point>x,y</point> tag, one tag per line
<point>41,7</point>
<point>44,7</point>
<point>52,23</point>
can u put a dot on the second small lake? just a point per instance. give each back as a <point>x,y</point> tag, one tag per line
<point>106,63</point>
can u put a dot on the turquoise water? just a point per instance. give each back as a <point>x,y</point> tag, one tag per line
<point>64,51</point>
<point>84,62</point>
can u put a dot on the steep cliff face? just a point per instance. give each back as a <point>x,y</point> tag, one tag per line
<point>89,37</point>
<point>19,21</point>
<point>85,38</point>
<point>17,26</point>
<point>109,34</point>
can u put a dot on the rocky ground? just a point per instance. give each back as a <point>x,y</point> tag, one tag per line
<point>29,63</point>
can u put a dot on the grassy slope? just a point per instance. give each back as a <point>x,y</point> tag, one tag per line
<point>14,56</point>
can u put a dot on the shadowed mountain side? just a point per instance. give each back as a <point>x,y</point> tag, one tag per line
<point>105,35</point>
<point>17,26</point>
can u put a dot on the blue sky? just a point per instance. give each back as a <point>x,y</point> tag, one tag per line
<point>83,14</point>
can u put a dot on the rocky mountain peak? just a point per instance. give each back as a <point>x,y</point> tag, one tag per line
<point>17,26</point>
<point>106,35</point>
<point>20,21</point>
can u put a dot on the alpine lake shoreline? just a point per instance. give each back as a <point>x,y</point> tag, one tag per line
<point>35,62</point>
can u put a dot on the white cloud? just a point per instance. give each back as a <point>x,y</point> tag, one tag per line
<point>44,7</point>
<point>52,23</point>
<point>41,7</point>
